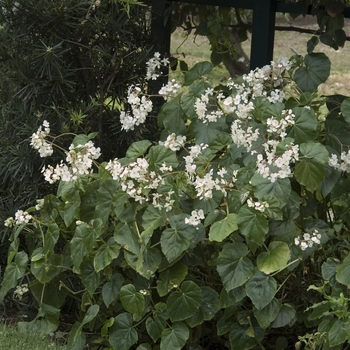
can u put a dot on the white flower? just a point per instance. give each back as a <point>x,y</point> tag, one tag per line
<point>20,290</point>
<point>38,141</point>
<point>195,218</point>
<point>174,142</point>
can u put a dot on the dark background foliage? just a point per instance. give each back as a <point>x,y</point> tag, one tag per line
<point>68,62</point>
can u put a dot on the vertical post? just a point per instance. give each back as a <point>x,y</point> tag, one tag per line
<point>263,33</point>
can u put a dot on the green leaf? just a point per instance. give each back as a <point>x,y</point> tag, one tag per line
<point>267,314</point>
<point>120,198</point>
<point>144,346</point>
<point>127,237</point>
<point>175,240</point>
<point>345,109</point>
<point>276,258</point>
<point>13,273</point>
<point>243,338</point>
<point>279,189</point>
<point>111,289</point>
<point>122,335</point>
<point>319,310</point>
<point>223,228</point>
<point>208,132</point>
<point>184,303</point>
<point>77,248</point>
<point>210,305</point>
<point>71,208</point>
<point>103,200</point>
<point>310,174</point>
<point>174,338</point>
<point>77,339</point>
<point>105,254</point>
<point>316,71</point>
<point>233,266</point>
<point>156,324</point>
<point>152,217</point>
<point>148,262</point>
<point>89,276</point>
<point>343,272</point>
<point>138,149</point>
<point>197,71</point>
<point>252,224</point>
<point>339,333</point>
<point>305,125</point>
<point>261,289</point>
<point>285,316</point>
<point>315,151</point>
<point>172,116</point>
<point>232,297</point>
<point>171,277</point>
<point>158,155</point>
<point>89,233</point>
<point>51,237</point>
<point>91,313</point>
<point>48,269</point>
<point>133,301</point>
<point>312,43</point>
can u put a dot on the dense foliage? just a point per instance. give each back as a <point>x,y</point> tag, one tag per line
<point>71,63</point>
<point>230,232</point>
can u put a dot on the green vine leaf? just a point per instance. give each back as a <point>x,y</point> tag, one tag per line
<point>267,314</point>
<point>183,303</point>
<point>276,258</point>
<point>261,289</point>
<point>233,266</point>
<point>122,335</point>
<point>176,239</point>
<point>174,338</point>
<point>252,224</point>
<point>111,289</point>
<point>316,71</point>
<point>197,71</point>
<point>223,228</point>
<point>133,301</point>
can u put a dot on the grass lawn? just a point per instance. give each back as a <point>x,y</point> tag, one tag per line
<point>11,339</point>
<point>196,49</point>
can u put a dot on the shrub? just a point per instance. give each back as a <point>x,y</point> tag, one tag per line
<point>229,232</point>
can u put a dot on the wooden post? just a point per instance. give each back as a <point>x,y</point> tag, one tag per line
<point>263,33</point>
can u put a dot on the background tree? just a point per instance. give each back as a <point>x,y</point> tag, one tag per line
<point>68,62</point>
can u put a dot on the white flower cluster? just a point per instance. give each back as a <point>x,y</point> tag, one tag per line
<point>170,89</point>
<point>138,182</point>
<point>173,142</point>
<point>205,184</point>
<point>38,140</point>
<point>21,217</point>
<point>238,104</point>
<point>243,135</point>
<point>277,166</point>
<point>342,164</point>
<point>153,66</point>
<point>200,107</point>
<point>141,106</point>
<point>20,290</point>
<point>80,159</point>
<point>278,126</point>
<point>194,152</point>
<point>265,81</point>
<point>260,206</point>
<point>308,240</point>
<point>195,218</point>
